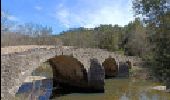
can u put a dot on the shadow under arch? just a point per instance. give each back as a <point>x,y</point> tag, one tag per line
<point>129,63</point>
<point>111,67</point>
<point>123,71</point>
<point>96,76</point>
<point>69,76</point>
<point>67,69</point>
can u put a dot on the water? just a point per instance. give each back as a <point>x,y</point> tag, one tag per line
<point>122,89</point>
<point>38,90</point>
<point>115,89</point>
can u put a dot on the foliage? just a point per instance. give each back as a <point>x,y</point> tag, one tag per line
<point>135,39</point>
<point>104,37</point>
<point>157,18</point>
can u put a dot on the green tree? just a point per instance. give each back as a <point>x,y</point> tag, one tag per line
<point>156,17</point>
<point>135,39</point>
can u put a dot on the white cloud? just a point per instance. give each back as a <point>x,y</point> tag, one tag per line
<point>103,14</point>
<point>108,15</point>
<point>12,18</point>
<point>63,17</point>
<point>38,8</point>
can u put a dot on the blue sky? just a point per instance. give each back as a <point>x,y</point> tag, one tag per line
<point>64,14</point>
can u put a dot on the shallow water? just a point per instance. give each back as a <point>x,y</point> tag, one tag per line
<point>122,89</point>
<point>38,90</point>
<point>115,89</point>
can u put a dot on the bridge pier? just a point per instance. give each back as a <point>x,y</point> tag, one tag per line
<point>96,75</point>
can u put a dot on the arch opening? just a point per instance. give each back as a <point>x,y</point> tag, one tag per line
<point>111,67</point>
<point>129,64</point>
<point>123,71</point>
<point>68,70</point>
<point>96,76</point>
<point>70,76</point>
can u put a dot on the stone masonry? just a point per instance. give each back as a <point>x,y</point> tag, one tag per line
<point>15,67</point>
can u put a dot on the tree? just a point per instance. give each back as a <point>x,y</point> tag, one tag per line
<point>135,39</point>
<point>104,37</point>
<point>156,16</point>
<point>6,24</point>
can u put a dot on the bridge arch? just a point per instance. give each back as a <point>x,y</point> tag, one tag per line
<point>129,63</point>
<point>68,71</point>
<point>110,66</point>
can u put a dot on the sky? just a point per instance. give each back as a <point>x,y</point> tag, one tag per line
<point>64,14</point>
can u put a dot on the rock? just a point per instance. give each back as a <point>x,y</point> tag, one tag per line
<point>34,78</point>
<point>160,88</point>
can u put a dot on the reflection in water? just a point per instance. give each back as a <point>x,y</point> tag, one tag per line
<point>115,89</point>
<point>124,97</point>
<point>38,90</point>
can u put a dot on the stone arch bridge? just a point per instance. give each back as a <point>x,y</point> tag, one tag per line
<point>16,66</point>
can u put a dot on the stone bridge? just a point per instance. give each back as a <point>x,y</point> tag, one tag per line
<point>15,67</point>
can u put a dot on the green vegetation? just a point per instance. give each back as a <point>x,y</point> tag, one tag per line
<point>104,36</point>
<point>157,20</point>
<point>130,39</point>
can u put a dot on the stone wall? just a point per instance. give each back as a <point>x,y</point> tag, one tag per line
<point>16,66</point>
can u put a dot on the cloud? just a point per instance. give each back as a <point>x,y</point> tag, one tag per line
<point>12,18</point>
<point>107,15</point>
<point>102,13</point>
<point>38,8</point>
<point>63,17</point>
